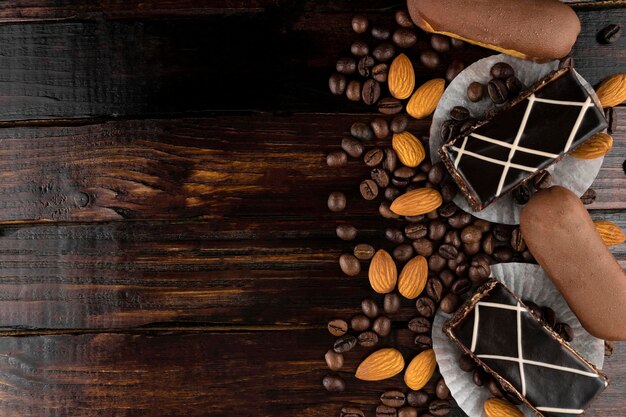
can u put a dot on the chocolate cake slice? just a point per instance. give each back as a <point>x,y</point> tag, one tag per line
<point>529,134</point>
<point>528,358</point>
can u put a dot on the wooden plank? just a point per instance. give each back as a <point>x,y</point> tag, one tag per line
<point>199,168</point>
<point>243,272</point>
<point>199,374</point>
<point>279,59</point>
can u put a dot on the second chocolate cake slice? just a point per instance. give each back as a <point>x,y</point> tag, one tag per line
<point>523,354</point>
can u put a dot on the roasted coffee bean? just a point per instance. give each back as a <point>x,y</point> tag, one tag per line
<point>467,363</point>
<point>369,308</point>
<point>454,69</point>
<point>371,92</point>
<point>403,19</point>
<point>483,225</point>
<point>436,230</point>
<point>514,85</point>
<point>380,72</point>
<point>368,189</point>
<point>609,34</point>
<point>611,118</point>
<point>351,412</point>
<point>521,194</point>
<point>440,43</point>
<point>475,92</point>
<point>423,247</point>
<point>380,33</point>
<point>365,65</point>
<point>497,91</point>
<point>382,326</point>
<point>429,59</point>
<point>589,196</point>
<point>447,210</point>
<point>403,253</point>
<point>367,339</point>
<point>360,24</point>
<point>439,408</point>
<point>479,377</point>
<point>394,235</point>
<point>380,176</point>
<point>494,388</point>
<point>467,125</point>
<point>337,84</point>
<point>447,278</point>
<point>395,399</point>
<point>416,231</point>
<point>436,263</point>
<point>425,166</point>
<point>449,191</point>
<point>399,123</point>
<point>353,147</point>
<point>336,201</point>
<point>359,49</point>
<point>359,323</point>
<point>353,90</point>
<point>391,193</point>
<point>423,341</point>
<point>404,173</point>
<point>334,383</point>
<point>511,398</point>
<point>385,210</point>
<point>453,238</point>
<point>457,43</point>
<point>441,390</point>
<point>459,113</point>
<point>461,269</point>
<point>448,251</point>
<point>404,38</point>
<point>460,259</point>
<point>502,71</point>
<point>425,306</point>
<point>549,316</point>
<point>400,182</point>
<point>450,303</point>
<point>432,215</point>
<point>517,241</point>
<point>391,303</point>
<point>471,234</point>
<point>566,62</point>
<point>334,360</point>
<point>417,398</point>
<point>407,411</point>
<point>460,220</point>
<point>380,128</point>
<point>390,105</point>
<point>542,180</point>
<point>346,65</point>
<point>471,248</point>
<point>391,159</point>
<point>385,411</point>
<point>364,252</point>
<point>565,331</point>
<point>336,159</point>
<point>373,157</point>
<point>502,232</point>
<point>479,270</point>
<point>528,257</point>
<point>414,219</point>
<point>534,309</point>
<point>344,343</point>
<point>437,173</point>
<point>434,289</point>
<point>503,254</point>
<point>337,327</point>
<point>461,286</point>
<point>384,52</point>
<point>346,232</point>
<point>420,325</point>
<point>349,264</point>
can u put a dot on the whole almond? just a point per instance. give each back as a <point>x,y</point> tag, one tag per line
<point>383,274</point>
<point>413,277</point>
<point>401,77</point>
<point>382,364</point>
<point>612,91</point>
<point>599,145</point>
<point>409,149</point>
<point>420,370</point>
<point>495,407</point>
<point>417,202</point>
<point>611,233</point>
<point>425,99</point>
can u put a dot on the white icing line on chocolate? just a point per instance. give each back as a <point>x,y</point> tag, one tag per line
<point>508,145</point>
<point>560,410</point>
<point>560,102</point>
<point>461,150</point>
<point>520,356</point>
<point>475,331</point>
<point>542,364</point>
<point>579,121</point>
<point>492,160</point>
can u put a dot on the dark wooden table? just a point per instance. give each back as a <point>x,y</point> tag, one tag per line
<point>165,249</point>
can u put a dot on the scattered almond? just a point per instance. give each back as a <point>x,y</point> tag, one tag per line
<point>383,274</point>
<point>611,233</point>
<point>612,91</point>
<point>420,370</point>
<point>495,407</point>
<point>416,202</point>
<point>382,364</point>
<point>401,78</point>
<point>409,149</point>
<point>413,277</point>
<point>599,145</point>
<point>425,99</point>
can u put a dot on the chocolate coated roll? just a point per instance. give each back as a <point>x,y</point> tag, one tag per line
<point>562,238</point>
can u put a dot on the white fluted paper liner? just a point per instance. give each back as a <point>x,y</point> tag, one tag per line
<point>528,282</point>
<point>572,173</point>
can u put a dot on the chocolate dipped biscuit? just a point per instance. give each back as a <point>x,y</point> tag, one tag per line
<point>531,29</point>
<point>561,236</point>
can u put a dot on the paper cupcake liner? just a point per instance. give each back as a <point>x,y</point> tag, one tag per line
<point>528,282</point>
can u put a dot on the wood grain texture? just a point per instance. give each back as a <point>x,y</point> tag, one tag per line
<point>200,374</point>
<point>156,67</point>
